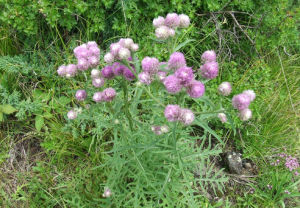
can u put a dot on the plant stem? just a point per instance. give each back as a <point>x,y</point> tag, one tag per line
<point>127,113</point>
<point>174,135</point>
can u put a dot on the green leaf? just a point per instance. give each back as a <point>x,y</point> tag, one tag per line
<point>1,116</point>
<point>207,128</point>
<point>39,122</point>
<point>7,109</point>
<point>183,44</point>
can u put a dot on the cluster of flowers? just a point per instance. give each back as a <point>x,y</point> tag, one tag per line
<point>210,68</point>
<point>290,162</point>
<point>121,50</point>
<point>241,102</point>
<point>158,130</point>
<point>165,27</point>
<point>175,113</point>
<point>150,68</point>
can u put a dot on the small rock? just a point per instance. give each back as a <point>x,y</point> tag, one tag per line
<point>234,162</point>
<point>248,165</point>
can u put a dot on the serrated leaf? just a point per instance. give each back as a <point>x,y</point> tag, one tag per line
<point>39,122</point>
<point>7,109</point>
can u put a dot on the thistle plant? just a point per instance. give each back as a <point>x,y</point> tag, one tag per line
<point>160,104</point>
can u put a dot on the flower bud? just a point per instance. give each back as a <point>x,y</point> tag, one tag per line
<point>80,95</point>
<point>171,32</point>
<point>95,73</point>
<point>185,75</point>
<point>107,72</point>
<point>93,61</point>
<point>245,114</point>
<point>107,192</point>
<point>71,115</point>
<point>109,94</point>
<point>124,53</point>
<point>222,117</point>
<point>172,84</point>
<point>186,116</point>
<point>209,56</point>
<point>71,70</point>
<point>134,47</point>
<point>159,21</point>
<point>128,42</point>
<point>172,112</point>
<point>162,32</point>
<point>61,71</point>
<point>95,51</point>
<point>176,60</point>
<point>196,89</point>
<point>114,48</point>
<point>150,65</point>
<point>91,44</point>
<point>251,94</point>
<point>156,130</point>
<point>128,74</point>
<point>98,97</point>
<point>164,129</point>
<point>98,82</point>
<point>82,64</point>
<point>184,21</point>
<point>145,78</point>
<point>241,101</point>
<point>172,20</point>
<point>225,88</point>
<point>109,58</point>
<point>210,70</point>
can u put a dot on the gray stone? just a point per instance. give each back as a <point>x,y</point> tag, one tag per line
<point>234,162</point>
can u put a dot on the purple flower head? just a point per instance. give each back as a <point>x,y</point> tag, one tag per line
<point>159,21</point>
<point>72,115</point>
<point>186,116</point>
<point>291,163</point>
<point>80,95</point>
<point>124,53</point>
<point>71,70</point>
<point>245,114</point>
<point>128,74</point>
<point>145,78</point>
<point>107,72</point>
<point>241,101</point>
<point>251,94</point>
<point>109,94</point>
<point>176,60</point>
<point>184,21</point>
<point>61,71</point>
<point>209,56</point>
<point>172,112</point>
<point>81,52</point>
<point>185,75</point>
<point>222,117</point>
<point>210,70</point>
<point>195,89</point>
<point>162,32</point>
<point>225,88</point>
<point>91,44</point>
<point>95,51</point>
<point>150,65</point>
<point>134,47</point>
<point>118,68</point>
<point>93,61</point>
<point>171,32</point>
<point>98,97</point>
<point>156,130</point>
<point>109,58</point>
<point>95,73</point>
<point>114,48</point>
<point>172,84</point>
<point>161,75</point>
<point>98,82</point>
<point>82,64</point>
<point>172,20</point>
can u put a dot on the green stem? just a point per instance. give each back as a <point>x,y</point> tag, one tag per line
<point>127,113</point>
<point>174,135</point>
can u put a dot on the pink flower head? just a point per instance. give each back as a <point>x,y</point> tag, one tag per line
<point>107,72</point>
<point>225,88</point>
<point>128,42</point>
<point>98,97</point>
<point>171,32</point>
<point>118,68</point>
<point>172,20</point>
<point>145,78</point>
<point>128,74</point>
<point>162,32</point>
<point>159,21</point>
<point>195,89</point>
<point>82,64</point>
<point>72,114</point>
<point>172,84</point>
<point>61,71</point>
<point>71,70</point>
<point>91,44</point>
<point>161,75</point>
<point>109,58</point>
<point>134,47</point>
<point>222,117</point>
<point>184,21</point>
<point>95,51</point>
<point>81,52</point>
<point>209,56</point>
<point>109,94</point>
<point>172,112</point>
<point>210,70</point>
<point>122,42</point>
<point>241,101</point>
<point>98,82</point>
<point>251,94</point>
<point>114,48</point>
<point>186,116</point>
<point>176,60</point>
<point>93,61</point>
<point>95,73</point>
<point>245,114</point>
<point>80,95</point>
<point>156,130</point>
<point>291,163</point>
<point>185,75</point>
<point>124,53</point>
<point>150,65</point>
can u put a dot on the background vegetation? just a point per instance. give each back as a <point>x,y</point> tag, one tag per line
<point>46,162</point>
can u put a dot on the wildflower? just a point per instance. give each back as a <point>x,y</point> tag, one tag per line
<point>82,64</point>
<point>241,101</point>
<point>72,114</point>
<point>210,70</point>
<point>225,88</point>
<point>95,51</point>
<point>185,75</point>
<point>172,20</point>
<point>145,78</point>
<point>162,32</point>
<point>176,60</point>
<point>124,53</point>
<point>95,73</point>
<point>61,71</point>
<point>93,61</point>
<point>245,114</point>
<point>134,47</point>
<point>164,129</point>
<point>71,70</point>
<point>172,84</point>
<point>128,74</point>
<point>150,65</point>
<point>161,75</point>
<point>250,94</point>
<point>287,192</point>
<point>222,117</point>
<point>81,52</point>
<point>291,163</point>
<point>128,42</point>
<point>91,44</point>
<point>98,82</point>
<point>159,21</point>
<point>107,192</point>
<point>114,48</point>
<point>109,58</point>
<point>209,56</point>
<point>296,173</point>
<point>80,95</point>
<point>98,97</point>
<point>156,130</point>
<point>109,94</point>
<point>186,116</point>
<point>269,186</point>
<point>195,89</point>
<point>172,112</point>
<point>184,21</point>
<point>107,72</point>
<point>171,32</point>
